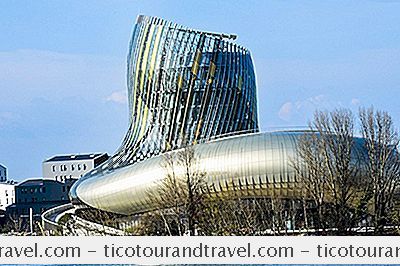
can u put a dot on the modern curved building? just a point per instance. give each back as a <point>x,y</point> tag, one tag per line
<point>184,86</point>
<point>189,87</point>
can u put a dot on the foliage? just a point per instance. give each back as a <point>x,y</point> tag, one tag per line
<point>64,219</point>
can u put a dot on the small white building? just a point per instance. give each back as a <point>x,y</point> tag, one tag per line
<point>63,167</point>
<point>7,194</point>
<point>3,173</point>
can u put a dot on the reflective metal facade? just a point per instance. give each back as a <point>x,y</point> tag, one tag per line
<point>242,166</point>
<point>189,87</point>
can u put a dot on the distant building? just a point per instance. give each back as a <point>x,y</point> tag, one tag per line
<point>40,195</point>
<point>7,194</point>
<point>3,173</point>
<point>64,167</point>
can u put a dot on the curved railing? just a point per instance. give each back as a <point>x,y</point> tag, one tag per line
<point>50,217</point>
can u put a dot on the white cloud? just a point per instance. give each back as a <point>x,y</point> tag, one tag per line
<point>319,101</point>
<point>119,97</point>
<point>355,102</point>
<point>285,111</point>
<point>302,110</point>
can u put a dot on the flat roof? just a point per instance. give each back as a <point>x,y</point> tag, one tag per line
<point>74,157</point>
<point>36,182</point>
<point>9,182</point>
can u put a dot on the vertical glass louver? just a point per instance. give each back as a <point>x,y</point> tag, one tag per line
<point>184,87</point>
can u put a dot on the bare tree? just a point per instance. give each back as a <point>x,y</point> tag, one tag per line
<point>240,216</point>
<point>309,167</point>
<point>13,224</point>
<point>329,168</point>
<point>193,189</point>
<point>99,216</point>
<point>185,203</point>
<point>180,199</point>
<point>383,167</point>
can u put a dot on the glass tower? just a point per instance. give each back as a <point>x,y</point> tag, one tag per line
<point>184,87</point>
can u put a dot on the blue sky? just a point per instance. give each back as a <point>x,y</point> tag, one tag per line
<point>63,65</point>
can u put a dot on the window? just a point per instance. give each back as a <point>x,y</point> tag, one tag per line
<point>72,167</point>
<point>54,168</point>
<point>44,189</point>
<point>63,189</point>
